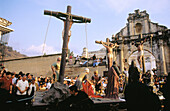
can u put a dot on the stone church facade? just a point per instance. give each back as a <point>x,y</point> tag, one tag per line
<point>138,27</point>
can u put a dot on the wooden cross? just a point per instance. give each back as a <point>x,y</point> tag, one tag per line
<point>68,19</point>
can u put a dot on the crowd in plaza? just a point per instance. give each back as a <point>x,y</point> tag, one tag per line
<point>23,85</point>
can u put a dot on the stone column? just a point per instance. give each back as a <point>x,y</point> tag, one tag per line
<point>121,58</point>
<point>162,56</point>
<point>0,36</point>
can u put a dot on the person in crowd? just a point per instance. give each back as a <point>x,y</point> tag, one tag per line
<point>48,86</point>
<point>13,78</point>
<point>45,82</point>
<point>165,91</point>
<point>133,72</point>
<point>97,78</point>
<point>121,83</point>
<point>65,82</point>
<point>5,92</point>
<point>77,59</point>
<point>146,77</point>
<point>70,60</point>
<point>138,96</point>
<point>3,70</point>
<point>55,69</point>
<point>104,84</point>
<point>22,86</point>
<point>36,83</point>
<point>32,88</point>
<point>96,62</point>
<point>14,81</point>
<point>6,82</point>
<point>85,63</point>
<point>112,90</point>
<point>126,75</point>
<point>101,60</point>
<point>78,101</point>
<point>42,87</point>
<point>29,77</point>
<point>94,57</point>
<point>80,63</point>
<point>81,78</point>
<point>19,78</point>
<point>39,81</point>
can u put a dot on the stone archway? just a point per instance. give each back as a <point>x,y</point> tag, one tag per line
<point>150,59</point>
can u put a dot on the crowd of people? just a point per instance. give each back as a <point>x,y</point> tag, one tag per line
<point>23,85</point>
<point>85,61</point>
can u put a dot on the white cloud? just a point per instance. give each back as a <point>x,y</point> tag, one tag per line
<point>38,50</point>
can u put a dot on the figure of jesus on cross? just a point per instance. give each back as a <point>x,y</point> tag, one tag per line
<point>109,46</point>
<point>140,53</point>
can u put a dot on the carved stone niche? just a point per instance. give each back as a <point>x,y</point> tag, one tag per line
<point>138,28</point>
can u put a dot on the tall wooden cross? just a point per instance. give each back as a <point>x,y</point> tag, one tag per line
<point>68,19</point>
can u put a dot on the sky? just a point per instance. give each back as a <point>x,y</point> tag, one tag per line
<point>108,17</point>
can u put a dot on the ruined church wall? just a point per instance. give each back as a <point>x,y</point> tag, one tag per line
<point>40,65</point>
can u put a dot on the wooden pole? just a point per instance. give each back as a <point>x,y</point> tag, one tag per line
<point>65,48</point>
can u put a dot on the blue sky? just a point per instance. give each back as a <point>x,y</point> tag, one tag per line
<point>107,18</point>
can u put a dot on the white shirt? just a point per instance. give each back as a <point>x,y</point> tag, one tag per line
<point>30,89</point>
<point>48,85</point>
<point>22,85</point>
<point>77,58</point>
<point>14,80</point>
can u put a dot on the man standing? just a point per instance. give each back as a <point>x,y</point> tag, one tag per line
<point>6,82</point>
<point>22,86</point>
<point>77,59</point>
<point>134,73</point>
<point>55,69</point>
<point>94,57</point>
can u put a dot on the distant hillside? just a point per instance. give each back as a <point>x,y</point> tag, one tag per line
<point>10,53</point>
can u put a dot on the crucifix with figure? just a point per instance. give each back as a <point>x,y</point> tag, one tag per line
<point>68,20</point>
<point>140,54</point>
<point>109,46</point>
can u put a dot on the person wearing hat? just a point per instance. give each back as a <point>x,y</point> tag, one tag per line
<point>81,78</point>
<point>55,69</point>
